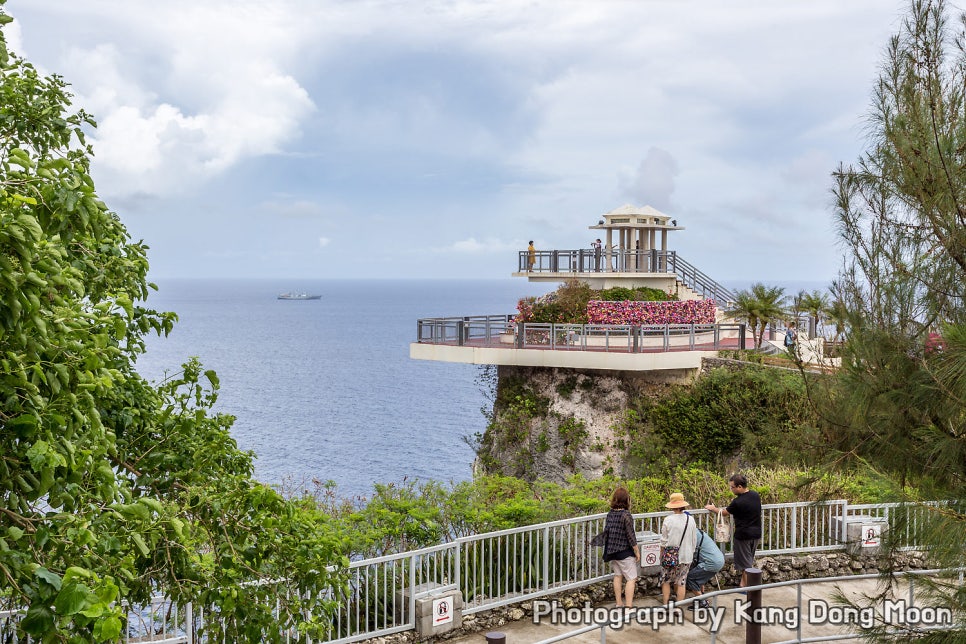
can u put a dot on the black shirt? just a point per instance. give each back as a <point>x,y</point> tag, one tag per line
<point>746,509</point>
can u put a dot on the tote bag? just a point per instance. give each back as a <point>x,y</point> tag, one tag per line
<point>722,529</point>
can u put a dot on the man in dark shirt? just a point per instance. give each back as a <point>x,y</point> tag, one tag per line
<point>746,509</point>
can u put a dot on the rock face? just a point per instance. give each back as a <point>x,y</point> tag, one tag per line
<point>552,423</point>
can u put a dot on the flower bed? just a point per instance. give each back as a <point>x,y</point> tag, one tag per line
<point>686,312</point>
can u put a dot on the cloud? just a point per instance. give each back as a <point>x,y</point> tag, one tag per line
<point>324,241</point>
<point>186,95</point>
<point>478,247</point>
<point>653,181</point>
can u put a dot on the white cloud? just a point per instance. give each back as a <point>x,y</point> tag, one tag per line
<point>653,181</point>
<point>324,241</point>
<point>415,124</point>
<point>482,246</point>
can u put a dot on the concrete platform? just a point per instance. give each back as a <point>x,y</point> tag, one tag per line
<point>728,618</point>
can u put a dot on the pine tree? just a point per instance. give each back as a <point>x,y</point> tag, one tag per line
<point>898,404</point>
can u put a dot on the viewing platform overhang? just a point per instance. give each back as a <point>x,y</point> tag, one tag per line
<point>497,340</point>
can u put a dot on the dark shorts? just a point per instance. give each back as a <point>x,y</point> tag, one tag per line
<point>698,577</point>
<point>745,553</point>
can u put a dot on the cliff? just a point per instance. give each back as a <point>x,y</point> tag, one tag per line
<point>551,423</point>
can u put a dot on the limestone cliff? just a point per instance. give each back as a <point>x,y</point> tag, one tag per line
<point>551,423</point>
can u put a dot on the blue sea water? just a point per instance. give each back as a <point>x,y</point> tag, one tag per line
<point>326,389</point>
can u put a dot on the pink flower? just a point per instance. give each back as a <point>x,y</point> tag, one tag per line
<point>643,313</point>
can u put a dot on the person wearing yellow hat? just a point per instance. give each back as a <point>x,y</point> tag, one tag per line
<point>679,536</point>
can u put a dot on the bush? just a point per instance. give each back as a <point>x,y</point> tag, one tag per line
<point>568,304</point>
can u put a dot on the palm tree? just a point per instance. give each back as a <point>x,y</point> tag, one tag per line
<point>769,306</point>
<point>815,304</point>
<point>744,309</point>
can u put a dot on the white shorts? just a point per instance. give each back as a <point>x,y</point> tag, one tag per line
<point>626,568</point>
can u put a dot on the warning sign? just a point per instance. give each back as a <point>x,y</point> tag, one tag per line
<point>442,611</point>
<point>651,554</point>
<point>871,535</point>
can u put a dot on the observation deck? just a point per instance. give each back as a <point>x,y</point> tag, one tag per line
<point>635,254</point>
<point>499,340</point>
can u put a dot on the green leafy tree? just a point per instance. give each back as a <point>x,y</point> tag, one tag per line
<point>815,304</point>
<point>901,212</point>
<point>112,488</point>
<point>758,307</point>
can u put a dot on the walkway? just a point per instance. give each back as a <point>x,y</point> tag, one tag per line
<point>822,616</point>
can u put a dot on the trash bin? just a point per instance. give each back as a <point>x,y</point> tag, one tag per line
<point>439,609</point>
<point>650,546</point>
<point>862,534</point>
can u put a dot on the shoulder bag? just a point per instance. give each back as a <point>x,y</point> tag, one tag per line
<point>671,556</point>
<point>722,529</point>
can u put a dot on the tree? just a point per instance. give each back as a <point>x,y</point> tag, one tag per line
<point>110,487</point>
<point>901,213</point>
<point>815,304</point>
<point>759,306</point>
<point>745,308</point>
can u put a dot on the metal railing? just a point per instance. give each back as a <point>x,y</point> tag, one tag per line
<point>501,331</point>
<point>509,566</point>
<point>588,260</point>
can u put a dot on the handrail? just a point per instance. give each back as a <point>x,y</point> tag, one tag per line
<point>502,331</point>
<point>588,260</point>
<point>508,566</point>
<point>797,583</point>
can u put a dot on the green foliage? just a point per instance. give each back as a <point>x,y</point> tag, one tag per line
<point>111,488</point>
<point>573,431</point>
<point>897,406</point>
<point>566,387</point>
<point>758,307</point>
<point>637,294</point>
<point>752,415</point>
<point>568,304</point>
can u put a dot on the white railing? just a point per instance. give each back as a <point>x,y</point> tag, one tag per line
<point>509,566</point>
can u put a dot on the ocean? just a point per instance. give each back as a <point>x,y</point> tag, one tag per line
<point>325,389</point>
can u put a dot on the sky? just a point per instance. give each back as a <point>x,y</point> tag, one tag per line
<point>427,139</point>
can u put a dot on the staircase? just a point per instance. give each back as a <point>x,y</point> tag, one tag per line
<point>697,282</point>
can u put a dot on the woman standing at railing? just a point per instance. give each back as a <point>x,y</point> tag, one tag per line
<point>620,547</point>
<point>679,536</point>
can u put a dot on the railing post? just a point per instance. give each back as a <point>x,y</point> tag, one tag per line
<point>654,265</point>
<point>636,332</point>
<point>546,558</point>
<point>412,592</point>
<point>460,330</point>
<point>458,562</point>
<point>741,337</point>
<point>521,333</point>
<point>189,626</point>
<point>753,626</point>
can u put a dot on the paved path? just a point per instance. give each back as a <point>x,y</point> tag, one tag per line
<point>695,626</point>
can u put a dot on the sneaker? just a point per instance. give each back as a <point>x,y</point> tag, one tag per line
<point>701,603</point>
